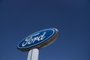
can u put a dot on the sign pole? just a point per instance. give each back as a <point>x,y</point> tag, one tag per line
<point>33,54</point>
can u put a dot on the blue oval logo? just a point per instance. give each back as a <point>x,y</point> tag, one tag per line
<point>38,39</point>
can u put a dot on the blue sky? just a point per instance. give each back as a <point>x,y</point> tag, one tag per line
<point>19,18</point>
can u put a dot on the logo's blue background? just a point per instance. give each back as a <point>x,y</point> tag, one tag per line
<point>19,18</point>
<point>49,33</point>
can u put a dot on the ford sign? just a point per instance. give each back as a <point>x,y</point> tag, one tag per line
<point>38,39</point>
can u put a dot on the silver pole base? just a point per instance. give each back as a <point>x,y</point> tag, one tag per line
<point>33,54</point>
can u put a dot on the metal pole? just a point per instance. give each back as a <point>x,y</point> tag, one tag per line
<point>33,54</point>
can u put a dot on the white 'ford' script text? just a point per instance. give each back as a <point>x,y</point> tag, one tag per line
<point>30,39</point>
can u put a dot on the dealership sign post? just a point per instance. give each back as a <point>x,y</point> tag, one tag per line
<point>37,40</point>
